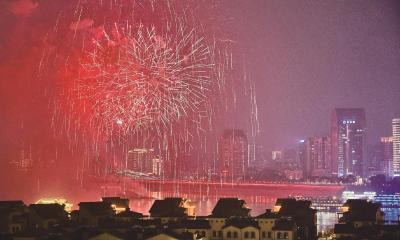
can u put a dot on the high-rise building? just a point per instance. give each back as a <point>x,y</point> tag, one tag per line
<point>396,147</point>
<point>233,161</point>
<point>374,160</point>
<point>144,160</point>
<point>387,152</point>
<point>302,156</point>
<point>276,156</point>
<point>318,157</point>
<point>348,141</point>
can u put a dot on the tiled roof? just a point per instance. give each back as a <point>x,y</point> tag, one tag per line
<point>230,207</point>
<point>47,211</point>
<point>96,208</point>
<point>168,207</point>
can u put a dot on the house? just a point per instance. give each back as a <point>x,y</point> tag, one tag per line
<point>285,229</point>
<point>266,222</point>
<point>200,227</point>
<point>361,213</point>
<point>241,228</point>
<point>117,203</point>
<point>46,215</point>
<point>302,214</point>
<point>361,219</point>
<point>127,216</point>
<point>13,217</point>
<point>172,209</point>
<point>230,207</point>
<point>224,209</point>
<point>91,213</point>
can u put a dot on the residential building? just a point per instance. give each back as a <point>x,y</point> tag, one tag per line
<point>145,161</point>
<point>318,157</point>
<point>118,204</point>
<point>172,209</point>
<point>92,213</point>
<point>301,213</point>
<point>46,215</point>
<point>362,219</point>
<point>233,161</point>
<point>13,217</point>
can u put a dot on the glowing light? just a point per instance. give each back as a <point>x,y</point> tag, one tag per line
<point>276,208</point>
<point>61,201</point>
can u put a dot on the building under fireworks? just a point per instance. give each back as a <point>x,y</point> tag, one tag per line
<point>233,160</point>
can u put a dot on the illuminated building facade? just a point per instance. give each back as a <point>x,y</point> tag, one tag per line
<point>387,154</point>
<point>144,160</point>
<point>396,147</point>
<point>318,156</point>
<point>348,141</point>
<point>233,161</point>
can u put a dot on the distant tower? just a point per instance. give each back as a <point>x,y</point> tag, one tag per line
<point>396,146</point>
<point>233,158</point>
<point>318,160</point>
<point>387,149</point>
<point>302,156</point>
<point>348,140</point>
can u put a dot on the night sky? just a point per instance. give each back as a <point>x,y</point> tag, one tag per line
<point>305,58</point>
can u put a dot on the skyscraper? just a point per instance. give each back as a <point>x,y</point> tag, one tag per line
<point>348,140</point>
<point>396,146</point>
<point>318,157</point>
<point>144,160</point>
<point>233,161</point>
<point>387,150</point>
<point>302,156</point>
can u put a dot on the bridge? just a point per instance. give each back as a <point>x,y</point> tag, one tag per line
<point>257,192</point>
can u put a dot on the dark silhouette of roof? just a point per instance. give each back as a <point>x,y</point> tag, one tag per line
<point>268,214</point>
<point>96,208</point>
<point>10,204</point>
<point>360,210</point>
<point>291,207</point>
<point>7,207</point>
<point>168,207</point>
<point>120,202</point>
<point>47,211</point>
<point>129,214</point>
<point>230,207</point>
<point>190,224</point>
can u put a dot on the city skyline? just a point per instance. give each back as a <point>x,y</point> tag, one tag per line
<point>122,94</point>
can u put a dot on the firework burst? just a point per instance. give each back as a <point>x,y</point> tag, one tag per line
<point>139,77</point>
